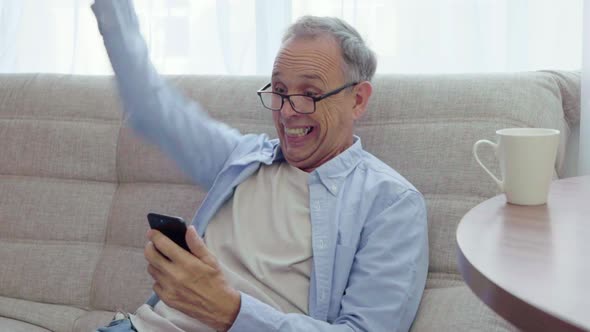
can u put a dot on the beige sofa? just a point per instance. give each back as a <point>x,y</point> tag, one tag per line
<point>76,184</point>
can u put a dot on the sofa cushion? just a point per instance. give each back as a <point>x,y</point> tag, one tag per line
<point>121,281</point>
<point>52,317</point>
<point>456,309</point>
<point>92,320</point>
<point>25,315</point>
<point>48,271</point>
<point>58,126</point>
<point>139,162</point>
<point>53,209</point>
<point>18,326</point>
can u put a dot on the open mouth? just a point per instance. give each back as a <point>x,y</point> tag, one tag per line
<point>298,132</point>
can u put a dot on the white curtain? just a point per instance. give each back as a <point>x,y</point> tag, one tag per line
<point>242,36</point>
<point>584,129</point>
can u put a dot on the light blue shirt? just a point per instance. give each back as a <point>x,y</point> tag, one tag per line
<point>369,229</point>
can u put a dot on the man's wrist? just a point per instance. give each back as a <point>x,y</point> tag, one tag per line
<point>232,315</point>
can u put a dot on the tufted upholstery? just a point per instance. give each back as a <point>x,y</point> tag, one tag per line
<point>76,184</point>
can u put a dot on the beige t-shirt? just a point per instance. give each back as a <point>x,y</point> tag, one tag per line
<point>262,240</point>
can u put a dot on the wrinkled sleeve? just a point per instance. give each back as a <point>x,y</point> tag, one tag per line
<point>156,110</point>
<point>385,284</point>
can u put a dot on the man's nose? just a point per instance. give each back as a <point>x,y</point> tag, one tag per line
<point>287,111</point>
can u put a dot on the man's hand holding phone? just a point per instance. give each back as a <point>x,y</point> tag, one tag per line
<point>191,282</point>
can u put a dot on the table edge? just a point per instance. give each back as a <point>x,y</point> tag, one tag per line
<point>521,314</point>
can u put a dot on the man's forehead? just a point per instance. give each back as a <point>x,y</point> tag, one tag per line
<point>309,60</point>
<point>309,76</point>
<point>318,44</point>
<point>296,77</point>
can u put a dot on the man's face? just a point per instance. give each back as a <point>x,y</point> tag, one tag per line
<point>313,67</point>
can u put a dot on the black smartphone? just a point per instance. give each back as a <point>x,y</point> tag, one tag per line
<point>173,227</point>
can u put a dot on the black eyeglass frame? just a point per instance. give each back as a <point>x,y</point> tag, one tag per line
<point>288,97</point>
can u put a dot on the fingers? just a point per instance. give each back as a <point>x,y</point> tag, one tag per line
<point>165,246</point>
<point>163,253</point>
<point>195,243</point>
<point>154,272</point>
<point>155,258</point>
<point>158,289</point>
<point>198,247</point>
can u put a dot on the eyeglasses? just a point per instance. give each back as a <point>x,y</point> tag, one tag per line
<point>300,103</point>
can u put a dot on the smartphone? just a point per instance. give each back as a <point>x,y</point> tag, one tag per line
<point>173,227</point>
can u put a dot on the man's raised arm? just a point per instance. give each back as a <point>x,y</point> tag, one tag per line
<point>198,144</point>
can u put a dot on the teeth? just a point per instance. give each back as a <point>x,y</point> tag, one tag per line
<point>297,131</point>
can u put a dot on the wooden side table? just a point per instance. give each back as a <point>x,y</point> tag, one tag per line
<point>531,264</point>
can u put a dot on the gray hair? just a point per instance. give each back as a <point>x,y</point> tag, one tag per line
<point>359,60</point>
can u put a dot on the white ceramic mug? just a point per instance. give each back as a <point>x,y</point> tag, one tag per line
<point>527,159</point>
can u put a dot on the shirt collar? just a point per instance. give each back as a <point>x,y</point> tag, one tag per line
<point>332,173</point>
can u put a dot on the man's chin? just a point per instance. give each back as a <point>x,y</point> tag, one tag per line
<point>299,156</point>
<point>296,160</point>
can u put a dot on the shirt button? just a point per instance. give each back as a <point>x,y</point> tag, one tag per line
<point>334,187</point>
<point>322,244</point>
<point>315,205</point>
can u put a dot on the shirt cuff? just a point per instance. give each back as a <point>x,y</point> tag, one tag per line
<point>115,15</point>
<point>256,316</point>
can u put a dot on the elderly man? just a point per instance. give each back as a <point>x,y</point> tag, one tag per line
<point>307,232</point>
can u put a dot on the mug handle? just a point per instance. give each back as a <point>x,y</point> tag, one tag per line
<point>495,146</point>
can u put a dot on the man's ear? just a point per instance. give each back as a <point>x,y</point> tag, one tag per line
<point>362,91</point>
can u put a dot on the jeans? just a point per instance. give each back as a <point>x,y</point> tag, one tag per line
<point>119,325</point>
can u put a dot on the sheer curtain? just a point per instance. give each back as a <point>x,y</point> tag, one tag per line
<point>584,129</point>
<point>241,37</point>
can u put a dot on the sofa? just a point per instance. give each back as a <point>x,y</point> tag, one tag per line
<point>76,183</point>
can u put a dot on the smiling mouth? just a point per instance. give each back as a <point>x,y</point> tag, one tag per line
<point>298,132</point>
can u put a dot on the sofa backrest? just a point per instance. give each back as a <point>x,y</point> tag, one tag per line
<point>76,184</point>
